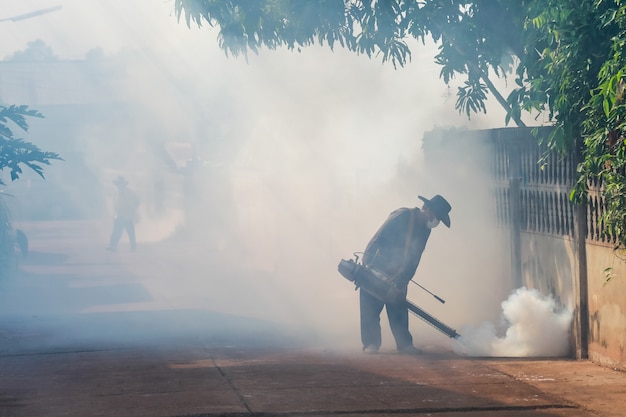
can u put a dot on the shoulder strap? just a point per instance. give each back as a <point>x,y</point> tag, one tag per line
<point>409,234</point>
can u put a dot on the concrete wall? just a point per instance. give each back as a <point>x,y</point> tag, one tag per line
<point>550,265</point>
<point>607,307</point>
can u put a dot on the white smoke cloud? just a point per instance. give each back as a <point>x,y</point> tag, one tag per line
<point>532,326</point>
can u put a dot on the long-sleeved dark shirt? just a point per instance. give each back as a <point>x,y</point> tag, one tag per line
<point>392,251</point>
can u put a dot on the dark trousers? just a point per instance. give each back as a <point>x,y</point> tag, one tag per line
<point>398,315</point>
<point>119,225</point>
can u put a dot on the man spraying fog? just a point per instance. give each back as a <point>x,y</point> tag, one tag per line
<point>396,250</point>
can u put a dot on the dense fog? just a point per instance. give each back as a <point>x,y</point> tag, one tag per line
<point>256,176</point>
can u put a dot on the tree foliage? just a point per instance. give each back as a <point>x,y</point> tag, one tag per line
<point>16,152</point>
<point>568,56</point>
<point>605,126</point>
<point>36,50</point>
<point>473,37</point>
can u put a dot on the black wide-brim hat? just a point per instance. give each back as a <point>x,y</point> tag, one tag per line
<point>439,206</point>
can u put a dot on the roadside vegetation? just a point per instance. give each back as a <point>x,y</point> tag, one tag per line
<point>16,154</point>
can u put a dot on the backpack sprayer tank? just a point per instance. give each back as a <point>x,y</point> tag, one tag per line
<point>371,280</point>
<point>382,287</point>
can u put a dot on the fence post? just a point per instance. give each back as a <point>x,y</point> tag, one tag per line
<point>583,285</point>
<point>515,179</point>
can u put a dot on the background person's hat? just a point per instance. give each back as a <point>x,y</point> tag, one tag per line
<point>439,206</point>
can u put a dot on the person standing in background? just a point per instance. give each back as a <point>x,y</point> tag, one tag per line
<point>125,215</point>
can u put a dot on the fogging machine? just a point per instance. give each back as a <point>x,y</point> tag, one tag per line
<point>382,287</point>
